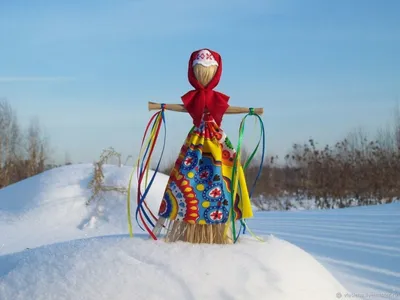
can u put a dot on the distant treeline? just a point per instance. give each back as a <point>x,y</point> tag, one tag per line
<point>355,170</point>
<point>338,176</point>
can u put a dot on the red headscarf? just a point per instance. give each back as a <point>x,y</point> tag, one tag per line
<point>196,101</point>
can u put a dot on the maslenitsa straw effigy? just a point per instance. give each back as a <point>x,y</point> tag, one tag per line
<point>206,197</point>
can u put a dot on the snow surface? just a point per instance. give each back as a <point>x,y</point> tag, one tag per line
<point>359,245</point>
<point>120,268</point>
<point>53,246</point>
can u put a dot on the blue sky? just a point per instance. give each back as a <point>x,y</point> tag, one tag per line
<point>87,69</point>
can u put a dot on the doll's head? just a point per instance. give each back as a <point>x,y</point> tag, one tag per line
<point>204,73</point>
<point>205,68</point>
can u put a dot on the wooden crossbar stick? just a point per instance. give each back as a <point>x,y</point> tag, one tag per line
<point>181,108</point>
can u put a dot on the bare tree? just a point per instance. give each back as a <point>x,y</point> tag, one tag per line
<point>9,142</point>
<point>397,127</point>
<point>21,155</point>
<point>357,140</point>
<point>386,138</point>
<point>68,160</point>
<point>37,148</point>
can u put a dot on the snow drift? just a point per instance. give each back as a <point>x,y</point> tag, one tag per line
<point>123,268</point>
<point>83,252</point>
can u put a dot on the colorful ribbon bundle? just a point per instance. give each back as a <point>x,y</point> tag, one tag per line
<point>142,210</point>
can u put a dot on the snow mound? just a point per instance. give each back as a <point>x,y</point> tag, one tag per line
<point>121,268</point>
<point>67,183</point>
<point>51,207</point>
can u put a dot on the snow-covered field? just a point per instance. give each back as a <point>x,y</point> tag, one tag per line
<point>52,246</point>
<point>359,245</point>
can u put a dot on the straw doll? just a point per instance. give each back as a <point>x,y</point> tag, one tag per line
<point>197,205</point>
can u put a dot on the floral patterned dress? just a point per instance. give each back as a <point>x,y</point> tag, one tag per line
<point>199,187</point>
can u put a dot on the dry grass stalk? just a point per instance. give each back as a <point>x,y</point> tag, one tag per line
<point>96,184</point>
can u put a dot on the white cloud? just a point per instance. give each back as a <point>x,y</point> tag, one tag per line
<point>34,78</point>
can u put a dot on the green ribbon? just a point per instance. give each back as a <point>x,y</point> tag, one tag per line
<point>246,164</point>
